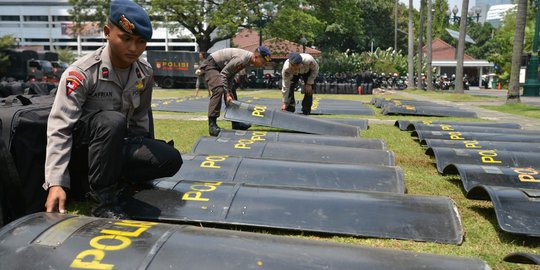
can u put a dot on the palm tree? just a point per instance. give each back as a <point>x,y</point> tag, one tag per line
<point>458,83</point>
<point>410,68</point>
<point>420,63</point>
<point>429,71</point>
<point>519,35</point>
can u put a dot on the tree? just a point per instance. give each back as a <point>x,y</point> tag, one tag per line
<point>419,79</point>
<point>458,83</point>
<point>410,75</point>
<point>429,71</point>
<point>291,23</point>
<point>521,20</point>
<point>209,21</point>
<point>6,42</point>
<point>66,55</point>
<point>354,24</point>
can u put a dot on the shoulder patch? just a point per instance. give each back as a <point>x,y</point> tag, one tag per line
<point>71,85</point>
<point>76,75</point>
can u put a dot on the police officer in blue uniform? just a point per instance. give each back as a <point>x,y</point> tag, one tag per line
<point>101,115</point>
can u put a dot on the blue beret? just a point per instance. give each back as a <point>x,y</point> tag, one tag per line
<point>295,58</point>
<point>131,18</point>
<point>265,53</point>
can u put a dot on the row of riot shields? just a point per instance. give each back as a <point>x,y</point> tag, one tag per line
<point>495,161</point>
<point>329,184</point>
<point>320,106</point>
<point>391,106</point>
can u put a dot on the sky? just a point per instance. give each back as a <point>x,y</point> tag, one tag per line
<point>451,3</point>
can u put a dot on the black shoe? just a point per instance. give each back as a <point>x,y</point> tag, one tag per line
<point>109,202</point>
<point>213,130</point>
<point>306,112</point>
<point>110,211</point>
<point>240,126</point>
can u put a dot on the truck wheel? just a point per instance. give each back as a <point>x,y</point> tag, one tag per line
<point>167,82</point>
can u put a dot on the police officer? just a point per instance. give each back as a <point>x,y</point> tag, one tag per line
<point>101,113</point>
<point>298,65</point>
<point>219,70</point>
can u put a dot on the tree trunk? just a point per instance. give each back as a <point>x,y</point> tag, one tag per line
<point>410,75</point>
<point>420,63</point>
<point>458,83</point>
<point>519,35</point>
<point>429,68</point>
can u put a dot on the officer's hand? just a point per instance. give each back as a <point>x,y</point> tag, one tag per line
<point>229,98</point>
<point>56,200</point>
<point>308,89</point>
<point>283,106</point>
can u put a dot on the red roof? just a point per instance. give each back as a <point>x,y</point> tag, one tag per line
<point>441,50</point>
<point>248,39</point>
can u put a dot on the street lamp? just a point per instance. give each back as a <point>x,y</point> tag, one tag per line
<point>477,10</point>
<point>532,84</point>
<point>453,17</point>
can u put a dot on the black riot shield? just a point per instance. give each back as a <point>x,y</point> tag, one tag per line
<point>521,257</point>
<point>264,116</point>
<point>319,106</point>
<point>292,151</point>
<point>474,144</point>
<point>456,135</point>
<point>411,125</point>
<point>391,109</point>
<point>303,138</point>
<point>185,104</point>
<point>402,124</point>
<point>340,212</point>
<point>55,241</point>
<point>361,123</point>
<point>476,175</point>
<point>445,157</point>
<point>475,129</point>
<point>290,173</point>
<point>517,209</point>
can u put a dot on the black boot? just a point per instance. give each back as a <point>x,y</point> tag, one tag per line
<point>240,125</point>
<point>108,202</point>
<point>213,128</point>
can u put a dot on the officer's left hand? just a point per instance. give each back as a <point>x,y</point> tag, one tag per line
<point>308,89</point>
<point>228,98</point>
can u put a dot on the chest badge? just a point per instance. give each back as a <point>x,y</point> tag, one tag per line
<point>139,84</point>
<point>105,73</point>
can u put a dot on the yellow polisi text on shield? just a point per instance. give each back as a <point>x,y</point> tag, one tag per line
<point>109,241</point>
<point>258,110</point>
<point>198,189</point>
<point>527,175</point>
<point>213,161</point>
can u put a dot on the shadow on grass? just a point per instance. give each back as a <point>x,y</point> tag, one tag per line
<point>523,240</point>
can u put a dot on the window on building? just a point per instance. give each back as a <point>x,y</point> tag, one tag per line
<point>36,18</point>
<point>61,19</point>
<point>9,18</point>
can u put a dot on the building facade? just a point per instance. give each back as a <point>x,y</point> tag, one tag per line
<point>46,25</point>
<point>487,4</point>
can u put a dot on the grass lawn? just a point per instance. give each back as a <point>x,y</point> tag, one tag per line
<point>483,238</point>
<point>518,109</point>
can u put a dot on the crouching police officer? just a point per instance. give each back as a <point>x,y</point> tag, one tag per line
<point>101,112</point>
<point>219,70</point>
<point>298,65</point>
